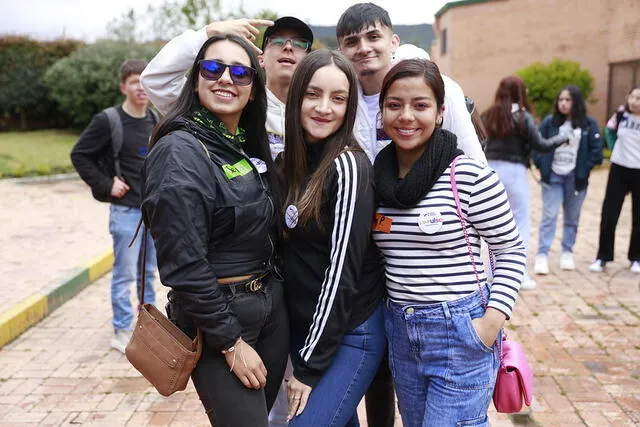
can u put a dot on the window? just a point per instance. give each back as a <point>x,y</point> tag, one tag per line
<point>443,42</point>
<point>622,77</point>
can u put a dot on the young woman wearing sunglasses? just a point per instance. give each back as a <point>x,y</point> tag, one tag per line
<point>209,201</point>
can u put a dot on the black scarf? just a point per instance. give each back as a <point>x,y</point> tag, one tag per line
<point>405,193</point>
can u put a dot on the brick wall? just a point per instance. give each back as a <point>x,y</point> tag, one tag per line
<point>490,40</point>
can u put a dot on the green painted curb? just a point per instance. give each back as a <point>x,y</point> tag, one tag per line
<point>33,309</point>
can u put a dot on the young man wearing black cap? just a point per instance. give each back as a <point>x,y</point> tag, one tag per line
<point>286,41</point>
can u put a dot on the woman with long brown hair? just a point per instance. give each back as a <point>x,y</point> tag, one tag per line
<point>511,135</point>
<point>333,272</point>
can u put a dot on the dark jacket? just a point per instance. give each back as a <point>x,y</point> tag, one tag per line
<point>92,155</point>
<point>589,152</point>
<point>211,215</point>
<point>516,148</point>
<point>334,274</point>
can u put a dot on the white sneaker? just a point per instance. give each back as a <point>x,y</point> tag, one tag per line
<point>541,266</point>
<point>566,261</point>
<point>120,340</point>
<point>598,266</point>
<point>635,267</point>
<point>528,283</point>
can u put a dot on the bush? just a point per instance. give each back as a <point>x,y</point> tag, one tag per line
<point>545,81</point>
<point>86,82</point>
<point>24,100</point>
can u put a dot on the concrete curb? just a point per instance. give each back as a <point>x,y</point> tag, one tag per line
<point>33,309</point>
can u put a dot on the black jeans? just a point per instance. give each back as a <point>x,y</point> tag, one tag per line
<point>621,181</point>
<point>265,326</point>
<point>380,398</point>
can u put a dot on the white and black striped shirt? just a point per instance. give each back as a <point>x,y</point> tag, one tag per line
<point>427,259</point>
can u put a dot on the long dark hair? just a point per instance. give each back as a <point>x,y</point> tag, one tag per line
<point>295,169</point>
<point>498,119</point>
<point>578,108</point>
<point>254,114</point>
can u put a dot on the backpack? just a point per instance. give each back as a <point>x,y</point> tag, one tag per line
<point>111,166</point>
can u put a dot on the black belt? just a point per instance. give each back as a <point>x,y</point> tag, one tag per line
<point>252,284</point>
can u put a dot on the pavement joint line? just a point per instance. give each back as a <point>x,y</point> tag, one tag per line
<point>31,310</point>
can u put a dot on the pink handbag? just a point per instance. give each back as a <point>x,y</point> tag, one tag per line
<point>515,378</point>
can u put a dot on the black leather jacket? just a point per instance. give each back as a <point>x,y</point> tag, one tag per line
<point>516,147</point>
<point>211,215</point>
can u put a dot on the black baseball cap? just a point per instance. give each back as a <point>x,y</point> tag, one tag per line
<point>289,23</point>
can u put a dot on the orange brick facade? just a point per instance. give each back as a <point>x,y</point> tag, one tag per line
<point>488,40</point>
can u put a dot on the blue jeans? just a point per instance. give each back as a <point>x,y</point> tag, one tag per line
<point>514,178</point>
<point>334,399</point>
<point>444,374</point>
<point>561,191</point>
<point>126,266</point>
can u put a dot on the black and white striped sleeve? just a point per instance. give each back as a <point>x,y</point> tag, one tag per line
<point>491,216</point>
<point>352,202</point>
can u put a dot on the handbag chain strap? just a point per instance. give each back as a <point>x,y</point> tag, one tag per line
<point>454,188</point>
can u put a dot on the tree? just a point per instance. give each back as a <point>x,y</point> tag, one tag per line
<point>86,82</point>
<point>23,97</point>
<point>545,81</point>
<point>171,17</point>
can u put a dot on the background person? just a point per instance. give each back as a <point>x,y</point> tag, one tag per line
<point>95,148</point>
<point>512,134</point>
<point>624,177</point>
<point>564,173</point>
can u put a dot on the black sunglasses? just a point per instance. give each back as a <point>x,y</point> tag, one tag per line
<point>241,75</point>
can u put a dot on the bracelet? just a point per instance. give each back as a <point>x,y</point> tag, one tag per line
<point>232,348</point>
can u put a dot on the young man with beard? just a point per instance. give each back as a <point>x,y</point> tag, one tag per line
<point>286,41</point>
<point>366,37</point>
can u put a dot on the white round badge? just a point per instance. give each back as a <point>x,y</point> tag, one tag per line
<point>430,221</point>
<point>291,216</point>
<point>259,164</point>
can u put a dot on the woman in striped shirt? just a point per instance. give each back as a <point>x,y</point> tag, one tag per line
<point>442,350</point>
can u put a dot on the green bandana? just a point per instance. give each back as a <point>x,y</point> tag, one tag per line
<point>205,118</point>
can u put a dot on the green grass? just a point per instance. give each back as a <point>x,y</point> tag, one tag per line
<point>41,152</point>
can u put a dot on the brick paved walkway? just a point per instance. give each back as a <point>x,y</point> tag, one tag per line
<point>581,332</point>
<point>46,230</point>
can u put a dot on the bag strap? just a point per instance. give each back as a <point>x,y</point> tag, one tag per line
<point>454,188</point>
<point>115,123</point>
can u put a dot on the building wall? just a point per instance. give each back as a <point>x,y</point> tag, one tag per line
<point>490,40</point>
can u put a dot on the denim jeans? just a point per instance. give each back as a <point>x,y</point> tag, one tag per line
<point>561,191</point>
<point>264,326</point>
<point>334,399</point>
<point>444,374</point>
<point>514,178</point>
<point>126,265</point>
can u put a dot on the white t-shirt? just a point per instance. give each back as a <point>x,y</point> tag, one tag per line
<point>626,152</point>
<point>373,107</point>
<point>565,156</point>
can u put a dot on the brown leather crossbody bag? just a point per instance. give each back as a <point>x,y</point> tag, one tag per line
<point>158,349</point>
